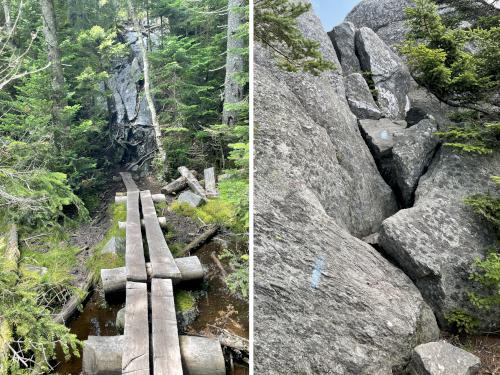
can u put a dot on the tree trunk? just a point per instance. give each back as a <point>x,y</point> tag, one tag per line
<point>54,56</point>
<point>6,12</point>
<point>147,89</point>
<point>235,64</point>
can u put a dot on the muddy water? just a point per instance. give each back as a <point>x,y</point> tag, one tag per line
<point>98,318</point>
<point>218,301</point>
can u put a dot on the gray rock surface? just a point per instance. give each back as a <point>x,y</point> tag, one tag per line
<point>131,126</point>
<point>102,355</point>
<point>360,98</point>
<point>343,39</point>
<point>411,155</point>
<point>390,75</point>
<point>316,139</point>
<point>194,200</point>
<point>380,135</point>
<point>319,309</point>
<point>116,245</point>
<point>442,358</point>
<point>437,240</point>
<point>424,104</point>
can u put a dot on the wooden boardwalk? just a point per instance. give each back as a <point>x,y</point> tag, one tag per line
<point>135,357</point>
<point>162,262</point>
<point>166,349</point>
<point>159,347</point>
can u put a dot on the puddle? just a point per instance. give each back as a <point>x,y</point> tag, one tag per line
<point>96,319</point>
<point>217,301</point>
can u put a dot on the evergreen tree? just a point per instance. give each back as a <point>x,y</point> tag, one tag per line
<point>276,28</point>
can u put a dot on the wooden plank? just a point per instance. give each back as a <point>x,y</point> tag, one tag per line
<point>210,186</point>
<point>135,262</point>
<point>165,338</point>
<point>162,262</point>
<point>193,183</point>
<point>135,358</point>
<point>129,182</point>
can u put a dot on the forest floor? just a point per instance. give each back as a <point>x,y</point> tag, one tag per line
<point>486,347</point>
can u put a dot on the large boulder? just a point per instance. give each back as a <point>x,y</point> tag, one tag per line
<point>437,240</point>
<point>390,75</point>
<point>325,302</point>
<point>316,139</point>
<point>360,98</point>
<point>411,155</point>
<point>442,358</point>
<point>343,39</point>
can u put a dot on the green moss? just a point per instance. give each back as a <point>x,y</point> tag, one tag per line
<point>176,248</point>
<point>184,300</point>
<point>98,261</point>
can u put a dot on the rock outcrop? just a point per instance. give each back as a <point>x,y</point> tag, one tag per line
<point>437,240</point>
<point>390,75</point>
<point>343,38</point>
<point>360,98</point>
<point>325,302</point>
<point>442,358</point>
<point>131,125</point>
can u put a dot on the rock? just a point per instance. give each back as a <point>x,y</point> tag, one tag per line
<point>442,358</point>
<point>415,115</point>
<point>380,135</point>
<point>185,318</point>
<point>377,14</point>
<point>120,320</point>
<point>390,75</point>
<point>36,269</point>
<point>144,116</point>
<point>194,200</point>
<point>437,240</point>
<point>411,155</point>
<point>360,98</point>
<point>307,122</point>
<point>319,309</point>
<point>343,39</point>
<point>103,355</point>
<point>424,104</point>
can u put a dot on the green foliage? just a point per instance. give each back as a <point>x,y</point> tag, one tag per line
<point>28,300</point>
<point>488,275</point>
<point>238,280</point>
<point>462,321</point>
<point>37,198</point>
<point>184,300</point>
<point>472,136</point>
<point>439,59</point>
<point>275,26</point>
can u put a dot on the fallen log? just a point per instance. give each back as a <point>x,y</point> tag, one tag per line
<point>175,186</point>
<point>162,220</point>
<point>71,306</point>
<point>102,355</point>
<point>193,182</point>
<point>219,266</point>
<point>11,257</point>
<point>115,280</point>
<point>201,239</point>
<point>233,341</point>
<point>121,198</point>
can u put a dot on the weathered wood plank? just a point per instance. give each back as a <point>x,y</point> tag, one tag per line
<point>210,186</point>
<point>175,186</point>
<point>162,261</point>
<point>115,279</point>
<point>193,183</point>
<point>129,182</point>
<point>165,338</point>
<point>135,358</point>
<point>135,262</point>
